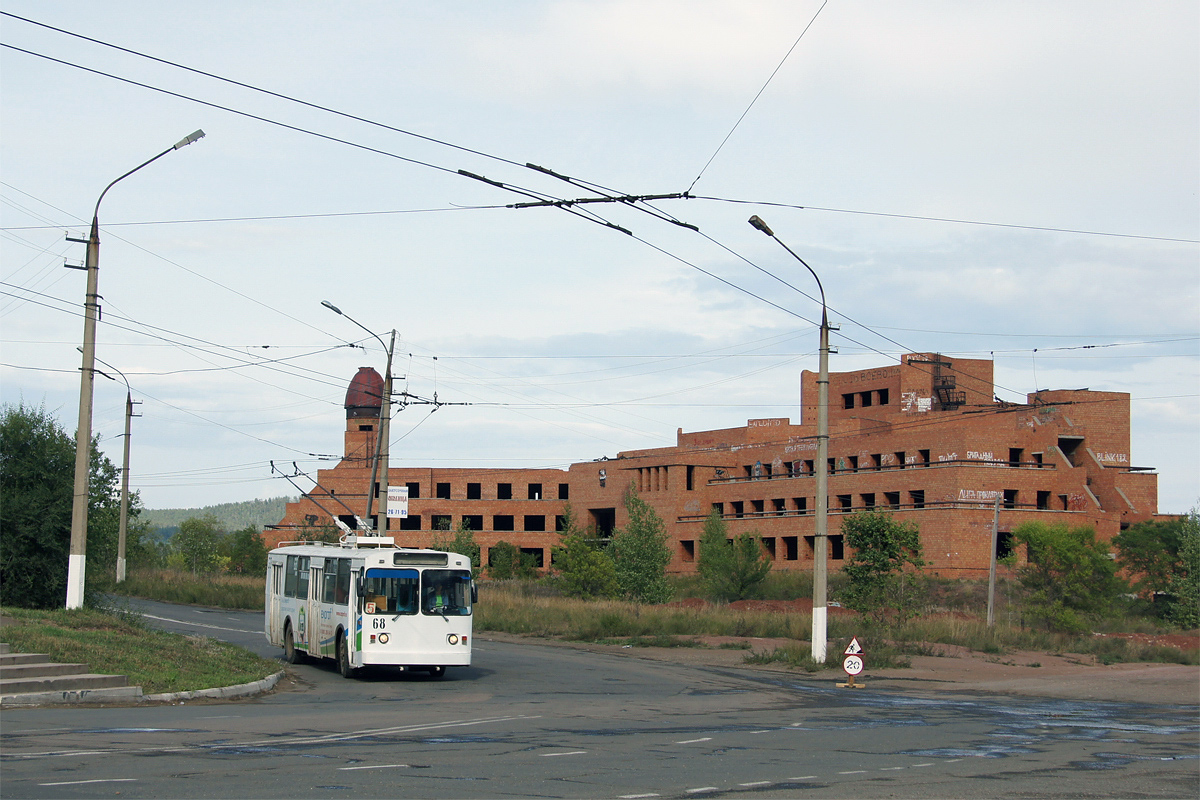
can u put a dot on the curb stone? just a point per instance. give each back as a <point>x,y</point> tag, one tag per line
<point>218,693</point>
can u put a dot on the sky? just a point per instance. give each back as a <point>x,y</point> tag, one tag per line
<point>1016,181</point>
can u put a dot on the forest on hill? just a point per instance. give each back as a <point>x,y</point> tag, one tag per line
<point>231,516</point>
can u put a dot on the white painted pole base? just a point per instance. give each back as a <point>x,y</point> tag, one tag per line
<point>120,570</point>
<point>75,569</point>
<point>819,634</point>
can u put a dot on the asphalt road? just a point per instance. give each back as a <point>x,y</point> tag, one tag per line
<point>536,721</point>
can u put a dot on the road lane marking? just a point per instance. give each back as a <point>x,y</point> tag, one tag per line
<point>852,772</point>
<point>567,753</point>
<point>802,778</point>
<point>703,789</point>
<point>923,765</point>
<point>637,796</point>
<point>200,624</point>
<point>94,780</point>
<point>889,769</point>
<point>375,766</point>
<point>755,783</point>
<point>694,741</point>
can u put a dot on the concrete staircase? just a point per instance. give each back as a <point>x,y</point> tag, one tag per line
<point>30,679</point>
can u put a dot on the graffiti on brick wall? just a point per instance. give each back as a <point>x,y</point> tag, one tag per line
<point>910,459</point>
<point>887,460</point>
<point>1077,502</point>
<point>765,423</point>
<point>978,495</point>
<point>948,457</point>
<point>802,446</point>
<point>982,455</point>
<point>872,375</point>
<point>909,401</point>
<point>1115,458</point>
<point>777,466</point>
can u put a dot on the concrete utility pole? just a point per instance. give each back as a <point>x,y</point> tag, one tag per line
<point>385,424</point>
<point>129,415</point>
<point>991,605</point>
<point>821,533</point>
<point>76,562</point>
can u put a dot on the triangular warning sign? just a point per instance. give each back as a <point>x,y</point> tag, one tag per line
<point>855,648</point>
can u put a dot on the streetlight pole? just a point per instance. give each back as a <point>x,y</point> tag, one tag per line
<point>76,562</point>
<point>124,523</point>
<point>385,421</point>
<point>821,534</point>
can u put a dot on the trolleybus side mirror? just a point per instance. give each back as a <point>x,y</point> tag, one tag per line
<point>474,592</point>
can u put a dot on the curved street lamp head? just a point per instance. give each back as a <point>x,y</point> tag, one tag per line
<point>331,307</point>
<point>191,137</point>
<point>757,223</point>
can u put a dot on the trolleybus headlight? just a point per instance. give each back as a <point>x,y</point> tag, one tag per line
<point>452,638</point>
<point>383,638</point>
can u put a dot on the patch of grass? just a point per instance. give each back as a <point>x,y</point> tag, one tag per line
<point>734,646</point>
<point>113,644</point>
<point>244,592</point>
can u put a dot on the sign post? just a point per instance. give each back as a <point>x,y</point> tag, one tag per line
<point>853,664</point>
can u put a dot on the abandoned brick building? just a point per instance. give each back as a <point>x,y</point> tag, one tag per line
<point>924,439</point>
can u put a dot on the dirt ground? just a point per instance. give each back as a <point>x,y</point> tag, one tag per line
<point>1031,674</point>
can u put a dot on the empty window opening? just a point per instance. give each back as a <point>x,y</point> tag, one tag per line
<point>474,491</point>
<point>502,522</point>
<point>366,427</point>
<point>560,523</point>
<point>848,400</point>
<point>473,522</point>
<point>414,490</point>
<point>564,491</point>
<point>1063,503</point>
<point>604,521</point>
<point>1043,501</point>
<point>504,491</point>
<point>790,548</point>
<point>1014,456</point>
<point>924,456</point>
<point>739,508</point>
<point>538,554</point>
<point>868,500</point>
<point>917,498</point>
<point>831,465</point>
<point>800,504</point>
<point>691,478</point>
<point>852,462</point>
<point>780,506</point>
<point>719,508</point>
<point>1010,498</point>
<point>1037,458</point>
<point>865,397</point>
<point>837,550</point>
<point>440,522</point>
<point>535,491</point>
<point>443,491</point>
<point>845,501</point>
<point>899,458</point>
<point>892,499</point>
<point>410,523</point>
<point>1069,445</point>
<point>877,461</point>
<point>768,543</point>
<point>535,522</point>
<point>810,466</point>
<point>687,550</point>
<point>757,505</point>
<point>884,397</point>
<point>1004,544</point>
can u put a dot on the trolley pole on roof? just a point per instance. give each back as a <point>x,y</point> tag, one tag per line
<point>821,532</point>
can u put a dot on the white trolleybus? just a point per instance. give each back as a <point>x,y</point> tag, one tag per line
<point>365,602</point>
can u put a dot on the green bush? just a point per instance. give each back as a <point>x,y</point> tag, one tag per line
<point>1069,578</point>
<point>730,570</point>
<point>641,555</point>
<point>882,574</point>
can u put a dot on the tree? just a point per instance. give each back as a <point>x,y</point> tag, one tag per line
<point>1183,588</point>
<point>247,552</point>
<point>882,572</point>
<point>198,543</point>
<point>37,483</point>
<point>1069,576</point>
<point>37,467</point>
<point>730,570</point>
<point>584,570</point>
<point>1149,553</point>
<point>462,543</point>
<point>506,561</point>
<point>641,555</point>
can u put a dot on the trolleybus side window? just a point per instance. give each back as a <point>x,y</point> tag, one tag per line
<point>337,580</point>
<point>391,591</point>
<point>296,579</point>
<point>446,592</point>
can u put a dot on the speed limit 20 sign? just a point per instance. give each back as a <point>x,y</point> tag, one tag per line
<point>853,665</point>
